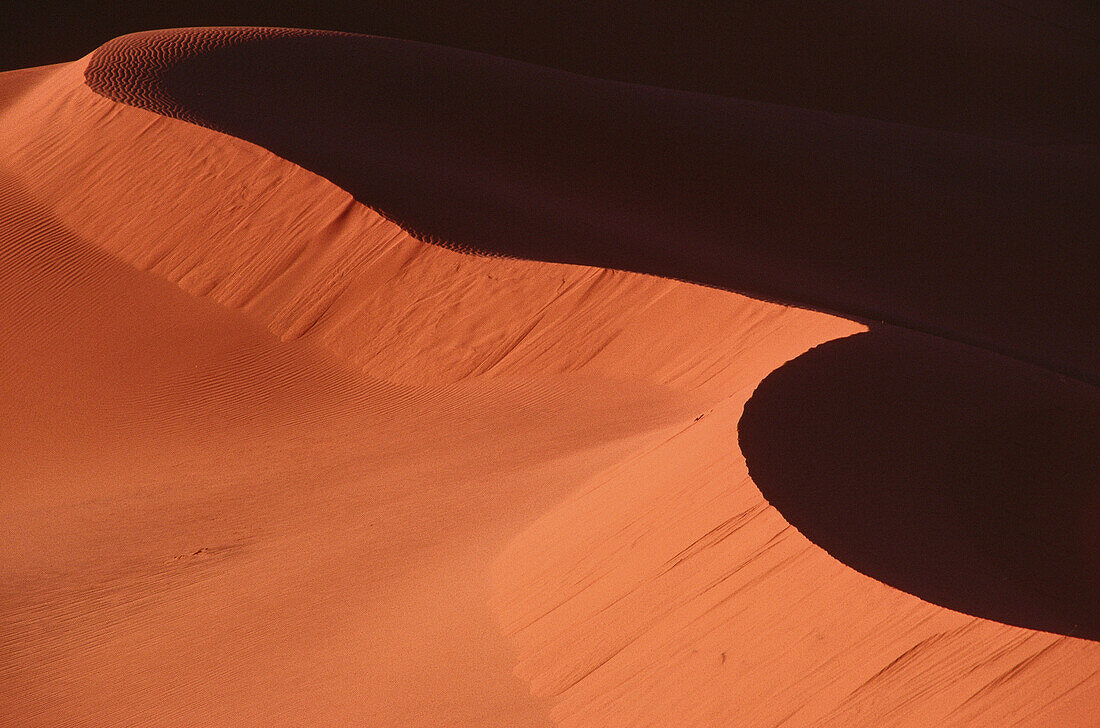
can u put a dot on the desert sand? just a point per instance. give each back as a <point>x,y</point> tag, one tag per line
<point>341,388</point>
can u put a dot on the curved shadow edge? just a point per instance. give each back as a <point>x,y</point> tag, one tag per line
<point>961,477</point>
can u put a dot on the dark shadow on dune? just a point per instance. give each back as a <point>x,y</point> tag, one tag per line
<point>981,241</point>
<point>968,480</point>
<point>1023,69</point>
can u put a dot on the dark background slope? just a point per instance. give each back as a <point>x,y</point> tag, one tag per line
<point>1022,69</point>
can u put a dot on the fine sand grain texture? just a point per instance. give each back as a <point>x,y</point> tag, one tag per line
<point>271,459</point>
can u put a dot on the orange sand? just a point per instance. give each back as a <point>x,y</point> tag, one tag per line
<point>270,460</point>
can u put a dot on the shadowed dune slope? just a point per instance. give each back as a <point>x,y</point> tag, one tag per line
<point>960,477</point>
<point>1022,69</point>
<point>272,460</point>
<point>945,233</point>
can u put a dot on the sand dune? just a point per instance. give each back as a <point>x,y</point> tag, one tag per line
<point>272,459</point>
<point>945,233</point>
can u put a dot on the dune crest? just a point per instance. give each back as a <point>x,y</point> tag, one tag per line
<point>279,460</point>
<point>950,234</point>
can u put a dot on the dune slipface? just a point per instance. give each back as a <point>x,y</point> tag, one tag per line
<point>958,476</point>
<point>275,458</point>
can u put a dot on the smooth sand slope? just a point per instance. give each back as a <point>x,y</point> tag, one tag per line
<point>269,459</point>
